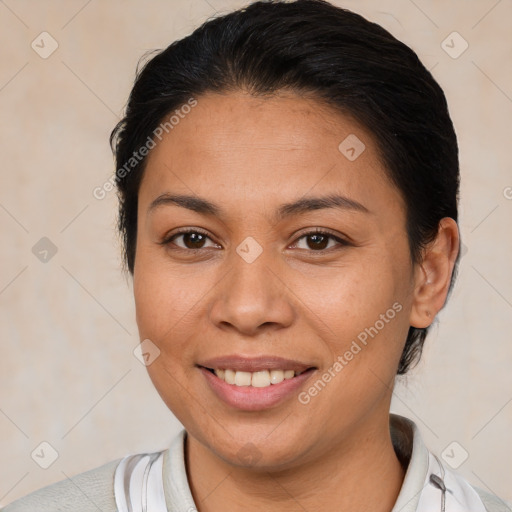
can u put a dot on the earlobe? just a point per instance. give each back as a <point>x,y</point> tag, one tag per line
<point>433,274</point>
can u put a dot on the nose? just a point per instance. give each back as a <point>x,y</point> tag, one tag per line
<point>253,296</point>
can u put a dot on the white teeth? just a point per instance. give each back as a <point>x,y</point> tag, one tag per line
<point>243,378</point>
<point>276,376</point>
<point>261,379</point>
<point>229,376</point>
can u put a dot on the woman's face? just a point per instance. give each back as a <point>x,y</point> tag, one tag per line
<point>251,283</point>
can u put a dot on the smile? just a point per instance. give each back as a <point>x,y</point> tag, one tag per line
<point>260,379</point>
<point>255,390</point>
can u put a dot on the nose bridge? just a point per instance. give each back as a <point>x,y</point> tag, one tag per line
<point>250,285</point>
<point>250,261</point>
<point>251,294</point>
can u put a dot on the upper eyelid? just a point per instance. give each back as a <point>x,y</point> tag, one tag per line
<point>168,238</point>
<point>312,231</point>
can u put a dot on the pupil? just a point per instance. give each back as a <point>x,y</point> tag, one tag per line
<point>194,238</point>
<point>320,238</point>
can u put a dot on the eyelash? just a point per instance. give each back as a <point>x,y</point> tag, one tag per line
<point>317,231</point>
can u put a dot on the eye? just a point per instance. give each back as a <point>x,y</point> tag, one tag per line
<point>318,240</point>
<point>195,239</point>
<point>191,239</point>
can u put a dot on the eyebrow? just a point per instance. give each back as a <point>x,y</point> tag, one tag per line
<point>301,206</point>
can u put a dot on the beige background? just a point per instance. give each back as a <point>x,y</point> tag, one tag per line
<point>67,330</point>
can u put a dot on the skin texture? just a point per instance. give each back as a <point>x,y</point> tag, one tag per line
<point>249,156</point>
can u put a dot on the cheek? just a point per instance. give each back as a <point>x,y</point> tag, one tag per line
<point>364,315</point>
<point>353,298</point>
<point>170,305</point>
<point>162,295</point>
<point>162,304</point>
<point>150,299</point>
<point>365,340</point>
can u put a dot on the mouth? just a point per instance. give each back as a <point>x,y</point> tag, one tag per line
<point>255,383</point>
<point>258,379</point>
<point>255,391</point>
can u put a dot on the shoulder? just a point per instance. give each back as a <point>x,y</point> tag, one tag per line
<point>492,503</point>
<point>91,491</point>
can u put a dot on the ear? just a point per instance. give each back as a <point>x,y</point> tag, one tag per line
<point>433,274</point>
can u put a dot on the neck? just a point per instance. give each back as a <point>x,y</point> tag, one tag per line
<point>362,472</point>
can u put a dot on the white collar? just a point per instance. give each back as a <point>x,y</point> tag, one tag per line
<point>146,482</point>
<point>420,492</point>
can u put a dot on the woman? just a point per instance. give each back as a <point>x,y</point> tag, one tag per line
<point>288,179</point>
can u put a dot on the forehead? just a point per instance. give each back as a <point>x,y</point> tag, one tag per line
<point>266,148</point>
<point>237,121</point>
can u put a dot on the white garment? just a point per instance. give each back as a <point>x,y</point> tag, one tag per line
<point>138,483</point>
<point>449,492</point>
<point>139,480</point>
<point>158,481</point>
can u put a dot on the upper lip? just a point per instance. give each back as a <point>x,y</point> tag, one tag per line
<point>254,364</point>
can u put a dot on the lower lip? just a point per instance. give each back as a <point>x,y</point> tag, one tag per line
<point>249,398</point>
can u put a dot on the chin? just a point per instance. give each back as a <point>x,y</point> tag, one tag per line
<point>257,450</point>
